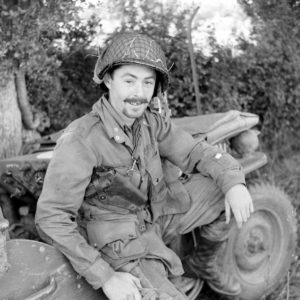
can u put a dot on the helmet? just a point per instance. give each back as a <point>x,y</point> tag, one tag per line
<point>128,48</point>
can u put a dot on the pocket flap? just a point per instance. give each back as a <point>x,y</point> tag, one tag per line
<point>101,233</point>
<point>154,168</point>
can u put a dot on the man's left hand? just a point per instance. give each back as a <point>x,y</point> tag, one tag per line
<point>238,200</point>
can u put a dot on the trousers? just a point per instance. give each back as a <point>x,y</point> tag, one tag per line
<point>207,204</point>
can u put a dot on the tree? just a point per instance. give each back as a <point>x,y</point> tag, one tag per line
<point>28,32</point>
<point>274,71</point>
<point>191,51</point>
<point>264,78</point>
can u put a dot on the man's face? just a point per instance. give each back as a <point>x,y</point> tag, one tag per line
<point>131,88</point>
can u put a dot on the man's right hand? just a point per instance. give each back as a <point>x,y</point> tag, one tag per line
<point>122,286</point>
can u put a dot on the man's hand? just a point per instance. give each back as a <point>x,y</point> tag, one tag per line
<point>240,202</point>
<point>122,286</point>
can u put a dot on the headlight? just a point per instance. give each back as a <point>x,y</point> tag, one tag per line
<point>246,142</point>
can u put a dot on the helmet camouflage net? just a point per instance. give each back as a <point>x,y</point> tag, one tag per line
<point>128,48</point>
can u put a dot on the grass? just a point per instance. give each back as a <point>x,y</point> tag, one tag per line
<point>286,174</point>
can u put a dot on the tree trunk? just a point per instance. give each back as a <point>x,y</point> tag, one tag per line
<point>24,105</point>
<point>193,63</point>
<point>10,121</point>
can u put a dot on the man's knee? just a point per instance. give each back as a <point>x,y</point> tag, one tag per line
<point>207,203</point>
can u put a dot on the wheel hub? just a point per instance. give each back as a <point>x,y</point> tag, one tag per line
<point>254,243</point>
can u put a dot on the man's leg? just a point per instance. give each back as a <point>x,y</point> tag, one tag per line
<point>155,267</point>
<point>154,280</point>
<point>206,213</point>
<point>206,260</point>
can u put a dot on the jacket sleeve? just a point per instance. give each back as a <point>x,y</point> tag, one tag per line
<point>179,147</point>
<point>67,176</point>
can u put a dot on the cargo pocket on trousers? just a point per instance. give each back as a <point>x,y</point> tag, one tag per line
<point>117,240</point>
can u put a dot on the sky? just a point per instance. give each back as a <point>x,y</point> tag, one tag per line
<point>225,18</point>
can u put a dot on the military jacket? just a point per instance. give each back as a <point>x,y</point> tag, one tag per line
<point>98,139</point>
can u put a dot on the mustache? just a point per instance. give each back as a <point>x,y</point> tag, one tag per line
<point>139,99</point>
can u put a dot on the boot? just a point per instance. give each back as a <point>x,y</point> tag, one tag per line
<point>203,262</point>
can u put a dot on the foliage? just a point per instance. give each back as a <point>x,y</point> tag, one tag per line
<point>48,39</point>
<point>66,91</point>
<point>27,29</point>
<point>265,78</point>
<point>70,93</point>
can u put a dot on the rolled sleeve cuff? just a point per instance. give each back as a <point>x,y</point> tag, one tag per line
<point>98,273</point>
<point>232,178</point>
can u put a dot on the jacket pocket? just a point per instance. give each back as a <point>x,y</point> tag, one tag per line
<point>118,240</point>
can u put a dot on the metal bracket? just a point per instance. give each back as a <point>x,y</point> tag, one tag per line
<point>4,224</point>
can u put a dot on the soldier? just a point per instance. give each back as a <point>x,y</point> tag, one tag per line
<point>109,206</point>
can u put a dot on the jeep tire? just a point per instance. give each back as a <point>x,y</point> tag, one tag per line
<point>260,253</point>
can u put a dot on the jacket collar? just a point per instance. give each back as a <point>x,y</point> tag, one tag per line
<point>112,121</point>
